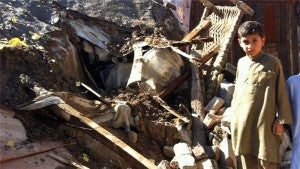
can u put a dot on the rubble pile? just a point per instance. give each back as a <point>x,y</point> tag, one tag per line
<point>120,79</point>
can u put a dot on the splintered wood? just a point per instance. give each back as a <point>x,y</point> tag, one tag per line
<point>197,30</point>
<point>171,110</point>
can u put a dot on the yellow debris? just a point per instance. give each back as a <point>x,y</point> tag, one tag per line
<point>14,20</point>
<point>85,157</point>
<point>14,42</point>
<point>35,36</point>
<point>77,83</point>
<point>10,143</point>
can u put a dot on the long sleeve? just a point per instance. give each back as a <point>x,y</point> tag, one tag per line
<point>260,91</point>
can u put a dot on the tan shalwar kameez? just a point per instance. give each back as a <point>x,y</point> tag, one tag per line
<point>260,91</point>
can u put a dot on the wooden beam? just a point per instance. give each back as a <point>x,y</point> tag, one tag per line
<point>177,82</point>
<point>197,30</point>
<point>170,109</point>
<point>105,137</point>
<point>108,139</point>
<point>207,57</point>
<point>198,131</point>
<point>186,111</point>
<point>197,101</point>
<point>182,78</point>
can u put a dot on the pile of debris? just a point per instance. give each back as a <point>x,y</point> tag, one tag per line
<point>154,98</point>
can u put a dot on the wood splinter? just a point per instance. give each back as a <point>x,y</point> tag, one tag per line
<point>171,110</point>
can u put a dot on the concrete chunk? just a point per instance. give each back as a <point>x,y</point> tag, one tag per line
<point>199,152</point>
<point>207,164</point>
<point>184,156</point>
<point>215,104</point>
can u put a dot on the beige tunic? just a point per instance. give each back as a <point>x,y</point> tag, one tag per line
<point>260,91</point>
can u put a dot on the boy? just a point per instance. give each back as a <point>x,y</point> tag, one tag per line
<point>293,88</point>
<point>260,90</point>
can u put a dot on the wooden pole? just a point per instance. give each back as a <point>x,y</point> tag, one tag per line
<point>106,138</point>
<point>170,109</point>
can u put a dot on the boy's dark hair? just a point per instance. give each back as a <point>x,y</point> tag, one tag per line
<point>250,28</point>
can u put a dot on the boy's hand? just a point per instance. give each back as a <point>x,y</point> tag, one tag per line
<point>277,128</point>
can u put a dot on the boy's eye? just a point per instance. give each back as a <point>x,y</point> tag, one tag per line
<point>246,42</point>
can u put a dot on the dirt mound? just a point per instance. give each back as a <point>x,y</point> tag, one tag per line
<point>37,65</point>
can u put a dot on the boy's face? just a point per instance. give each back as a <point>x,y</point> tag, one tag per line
<point>252,44</point>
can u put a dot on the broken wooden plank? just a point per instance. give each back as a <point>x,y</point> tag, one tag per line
<point>197,93</point>
<point>197,30</point>
<point>185,110</point>
<point>171,110</point>
<point>243,6</point>
<point>213,52</point>
<point>108,139</point>
<point>182,78</point>
<point>177,82</point>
